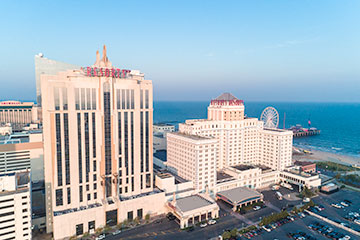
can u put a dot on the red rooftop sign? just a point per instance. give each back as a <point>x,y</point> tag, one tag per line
<point>105,72</point>
<point>234,102</point>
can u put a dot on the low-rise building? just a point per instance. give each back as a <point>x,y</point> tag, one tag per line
<point>306,166</point>
<point>15,205</point>
<point>163,128</point>
<point>193,209</point>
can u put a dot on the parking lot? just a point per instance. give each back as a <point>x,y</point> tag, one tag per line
<point>338,215</point>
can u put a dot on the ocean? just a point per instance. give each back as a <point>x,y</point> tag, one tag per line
<point>339,122</point>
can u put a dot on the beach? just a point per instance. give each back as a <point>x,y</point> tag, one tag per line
<point>326,156</point>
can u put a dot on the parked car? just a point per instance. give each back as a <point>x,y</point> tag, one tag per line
<point>211,221</point>
<point>100,237</point>
<point>256,208</point>
<point>266,228</point>
<point>344,204</point>
<point>203,225</point>
<point>116,232</point>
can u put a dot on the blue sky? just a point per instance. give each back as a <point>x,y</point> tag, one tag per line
<point>193,50</point>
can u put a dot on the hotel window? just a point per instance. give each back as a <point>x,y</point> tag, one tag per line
<point>141,141</point>
<point>126,139</point>
<point>148,180</point>
<point>132,99</point>
<point>59,197</point>
<point>123,98</point>
<point>132,142</point>
<point>130,215</point>
<point>64,97</point>
<point>82,98</point>
<point>127,99</point>
<point>95,195</point>
<point>141,99</point>
<point>66,143</point>
<point>132,184</point>
<point>58,149</point>
<point>79,229</point>
<point>77,100</point>
<point>147,99</point>
<point>68,195</point>
<point>88,99</point>
<point>81,193</point>
<point>107,130</point>
<point>140,213</point>
<point>94,136</point>
<point>91,225</point>
<point>147,139</point>
<point>119,136</point>
<point>87,146</point>
<point>56,98</point>
<point>93,98</point>
<point>118,98</point>
<point>79,147</point>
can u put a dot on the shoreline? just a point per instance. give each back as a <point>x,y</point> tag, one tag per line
<point>318,156</point>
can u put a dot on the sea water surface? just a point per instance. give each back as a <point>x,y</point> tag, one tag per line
<point>339,122</point>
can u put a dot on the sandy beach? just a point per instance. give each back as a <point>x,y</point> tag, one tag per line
<point>327,156</point>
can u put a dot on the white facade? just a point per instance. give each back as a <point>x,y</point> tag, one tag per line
<point>15,205</point>
<point>241,141</point>
<point>193,158</point>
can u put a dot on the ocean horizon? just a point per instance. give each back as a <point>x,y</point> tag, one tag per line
<point>338,122</point>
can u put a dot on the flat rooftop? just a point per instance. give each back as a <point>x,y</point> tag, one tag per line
<point>192,202</point>
<point>221,175</point>
<point>240,194</point>
<point>243,167</point>
<point>193,137</point>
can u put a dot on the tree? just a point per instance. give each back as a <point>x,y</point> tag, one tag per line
<point>147,217</point>
<point>234,232</point>
<point>226,235</point>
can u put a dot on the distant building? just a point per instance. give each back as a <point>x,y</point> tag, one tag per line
<point>17,113</point>
<point>15,205</point>
<point>306,166</point>
<point>163,128</point>
<point>44,65</point>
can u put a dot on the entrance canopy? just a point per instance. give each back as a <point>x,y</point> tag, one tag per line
<point>239,196</point>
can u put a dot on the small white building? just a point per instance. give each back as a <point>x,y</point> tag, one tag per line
<point>15,205</point>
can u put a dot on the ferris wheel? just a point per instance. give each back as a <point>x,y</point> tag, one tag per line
<point>270,117</point>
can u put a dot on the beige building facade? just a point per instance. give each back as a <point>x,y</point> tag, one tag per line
<point>193,157</point>
<point>97,124</point>
<point>241,142</point>
<point>16,112</point>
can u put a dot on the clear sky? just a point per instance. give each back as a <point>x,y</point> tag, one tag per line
<point>193,50</point>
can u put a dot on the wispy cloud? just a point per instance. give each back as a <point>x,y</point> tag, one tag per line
<point>290,43</point>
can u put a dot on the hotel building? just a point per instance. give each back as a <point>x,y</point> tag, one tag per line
<point>15,205</point>
<point>97,125</point>
<point>246,153</point>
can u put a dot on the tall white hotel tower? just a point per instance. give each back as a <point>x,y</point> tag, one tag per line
<point>97,147</point>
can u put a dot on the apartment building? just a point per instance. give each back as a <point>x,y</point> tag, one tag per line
<point>15,205</point>
<point>18,113</point>
<point>97,124</point>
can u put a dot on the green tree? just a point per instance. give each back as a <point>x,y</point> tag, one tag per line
<point>234,232</point>
<point>226,235</point>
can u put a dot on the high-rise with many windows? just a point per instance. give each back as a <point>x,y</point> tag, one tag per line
<point>97,147</point>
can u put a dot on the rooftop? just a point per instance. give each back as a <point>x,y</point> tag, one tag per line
<point>192,202</point>
<point>226,97</point>
<point>243,167</point>
<point>221,175</point>
<point>193,137</point>
<point>240,194</point>
<point>303,163</point>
